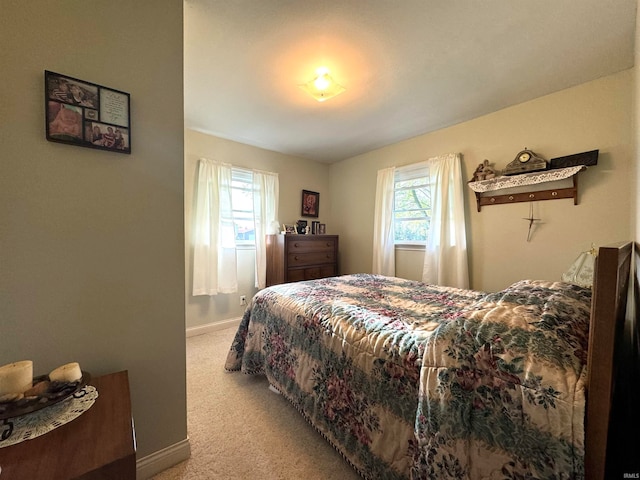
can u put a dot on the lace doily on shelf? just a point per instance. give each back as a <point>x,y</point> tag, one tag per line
<point>498,183</point>
<point>32,425</point>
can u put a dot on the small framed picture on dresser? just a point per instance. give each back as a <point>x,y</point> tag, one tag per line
<point>322,229</point>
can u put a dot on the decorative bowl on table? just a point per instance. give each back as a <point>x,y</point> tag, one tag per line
<point>43,393</point>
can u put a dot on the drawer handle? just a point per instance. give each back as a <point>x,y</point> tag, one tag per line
<point>328,244</point>
<point>296,244</point>
<point>328,256</point>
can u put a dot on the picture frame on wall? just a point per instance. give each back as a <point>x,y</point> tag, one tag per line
<point>310,204</point>
<point>86,114</point>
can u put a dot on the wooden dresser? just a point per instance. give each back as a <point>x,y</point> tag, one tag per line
<point>292,258</point>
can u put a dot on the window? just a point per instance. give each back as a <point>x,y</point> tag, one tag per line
<point>242,206</point>
<point>411,205</point>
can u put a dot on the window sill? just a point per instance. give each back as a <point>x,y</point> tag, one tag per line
<point>410,247</point>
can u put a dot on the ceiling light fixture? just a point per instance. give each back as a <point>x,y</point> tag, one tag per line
<point>322,87</point>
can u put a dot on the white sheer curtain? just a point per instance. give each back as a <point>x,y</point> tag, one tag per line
<point>214,258</point>
<point>445,256</point>
<point>265,213</point>
<point>384,256</point>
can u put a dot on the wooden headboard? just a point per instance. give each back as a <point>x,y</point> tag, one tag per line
<point>608,316</point>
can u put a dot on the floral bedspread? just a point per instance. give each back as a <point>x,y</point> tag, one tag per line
<point>409,380</point>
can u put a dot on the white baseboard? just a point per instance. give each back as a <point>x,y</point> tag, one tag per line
<point>212,327</point>
<point>159,461</point>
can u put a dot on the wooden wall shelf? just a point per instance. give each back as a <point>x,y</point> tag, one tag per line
<point>484,188</point>
<point>554,194</point>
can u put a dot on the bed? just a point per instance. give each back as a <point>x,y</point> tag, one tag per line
<point>409,380</point>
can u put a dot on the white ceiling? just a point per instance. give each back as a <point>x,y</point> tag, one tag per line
<point>409,66</point>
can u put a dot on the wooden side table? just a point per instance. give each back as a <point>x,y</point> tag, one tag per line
<point>98,445</point>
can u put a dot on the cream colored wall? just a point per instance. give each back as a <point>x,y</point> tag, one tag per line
<point>596,115</point>
<point>635,191</point>
<point>294,175</point>
<point>91,242</point>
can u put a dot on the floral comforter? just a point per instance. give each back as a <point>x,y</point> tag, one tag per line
<point>409,380</point>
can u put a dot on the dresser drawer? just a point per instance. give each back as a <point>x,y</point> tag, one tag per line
<point>311,273</point>
<point>327,271</point>
<point>312,258</point>
<point>311,245</point>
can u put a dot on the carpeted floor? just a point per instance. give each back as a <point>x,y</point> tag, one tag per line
<point>239,429</point>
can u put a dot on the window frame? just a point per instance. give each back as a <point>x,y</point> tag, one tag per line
<point>404,174</point>
<point>245,176</point>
